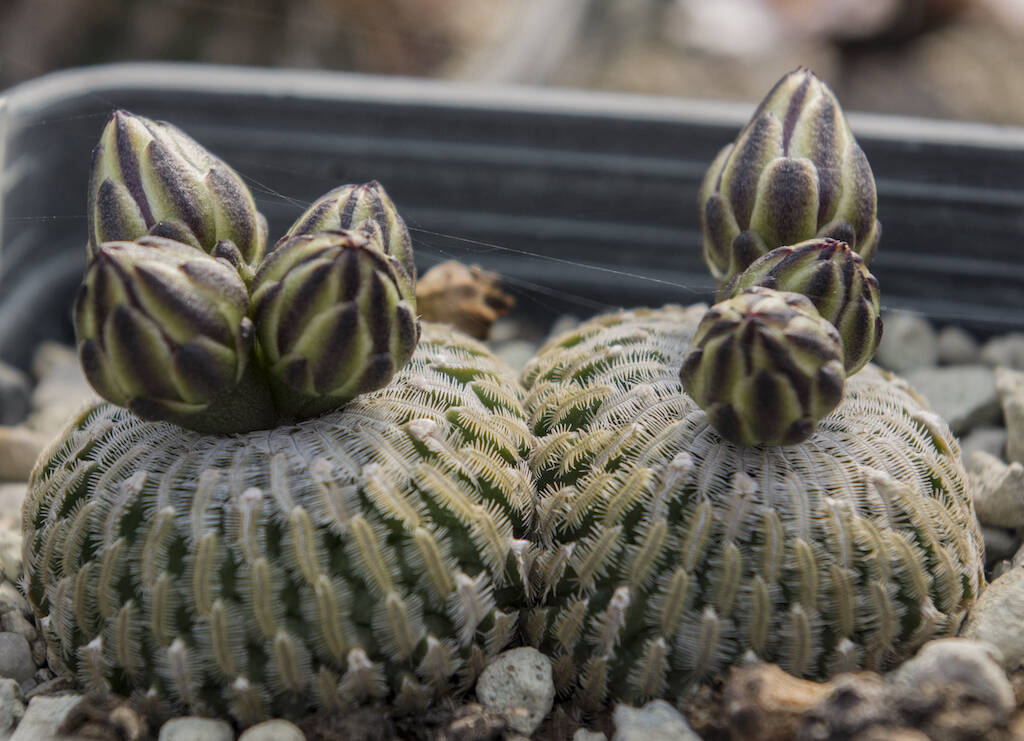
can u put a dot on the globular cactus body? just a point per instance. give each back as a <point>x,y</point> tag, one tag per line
<point>348,557</point>
<point>672,552</point>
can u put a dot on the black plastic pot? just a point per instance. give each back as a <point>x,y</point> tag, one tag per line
<point>582,201</point>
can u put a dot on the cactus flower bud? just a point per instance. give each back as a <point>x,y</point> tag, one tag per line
<point>331,319</point>
<point>351,207</point>
<point>765,367</point>
<point>151,178</point>
<point>794,173</point>
<point>162,330</point>
<point>837,282</point>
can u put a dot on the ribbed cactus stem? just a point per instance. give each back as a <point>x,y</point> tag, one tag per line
<point>673,554</point>
<point>373,551</point>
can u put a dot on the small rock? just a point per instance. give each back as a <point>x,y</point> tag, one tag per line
<point>13,621</point>
<point>764,702</point>
<point>11,599</point>
<point>908,342</point>
<point>516,353</point>
<point>582,734</point>
<point>891,733</point>
<point>999,543</point>
<point>273,730</point>
<point>564,323</point>
<point>996,617</point>
<point>59,395</point>
<point>12,706</point>
<point>973,663</point>
<point>14,394</point>
<point>50,355</point>
<point>987,439</point>
<point>997,489</point>
<point>39,653</point>
<point>1010,387</point>
<point>104,717</point>
<point>193,728</point>
<point>1018,557</point>
<point>16,658</point>
<point>655,721</point>
<point>856,702</point>
<point>520,678</point>
<point>10,554</point>
<point>963,395</point>
<point>957,346</point>
<point>44,716</point>
<point>505,330</point>
<point>1006,351</point>
<point>19,448</point>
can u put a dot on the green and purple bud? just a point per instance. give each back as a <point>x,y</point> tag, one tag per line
<point>353,207</point>
<point>795,173</point>
<point>162,330</point>
<point>150,178</point>
<point>765,367</point>
<point>332,319</point>
<point>837,282</point>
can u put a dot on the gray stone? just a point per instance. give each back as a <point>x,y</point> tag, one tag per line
<point>520,678</point>
<point>582,734</point>
<point>15,387</point>
<point>963,395</point>
<point>60,394</point>
<point>273,730</point>
<point>12,706</point>
<point>19,448</point>
<point>50,355</point>
<point>193,728</point>
<point>11,598</point>
<point>999,543</point>
<point>16,657</point>
<point>505,329</point>
<point>516,353</point>
<point>13,621</point>
<point>957,346</point>
<point>1010,387</point>
<point>43,717</point>
<point>908,342</point>
<point>655,721</point>
<point>986,438</point>
<point>997,489</point>
<point>1006,351</point>
<point>564,323</point>
<point>971,662</point>
<point>10,554</point>
<point>996,617</point>
<point>1018,557</point>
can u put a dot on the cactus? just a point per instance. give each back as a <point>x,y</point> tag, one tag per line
<point>376,550</point>
<point>150,178</point>
<point>794,173</point>
<point>837,282</point>
<point>672,553</point>
<point>765,366</point>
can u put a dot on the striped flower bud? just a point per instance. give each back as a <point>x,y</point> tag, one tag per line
<point>351,207</point>
<point>149,177</point>
<point>765,367</point>
<point>331,320</point>
<point>794,173</point>
<point>162,330</point>
<point>837,282</point>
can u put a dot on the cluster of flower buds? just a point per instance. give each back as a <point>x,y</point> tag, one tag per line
<point>788,214</point>
<point>183,317</point>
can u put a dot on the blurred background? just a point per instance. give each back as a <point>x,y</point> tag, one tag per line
<point>959,59</point>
